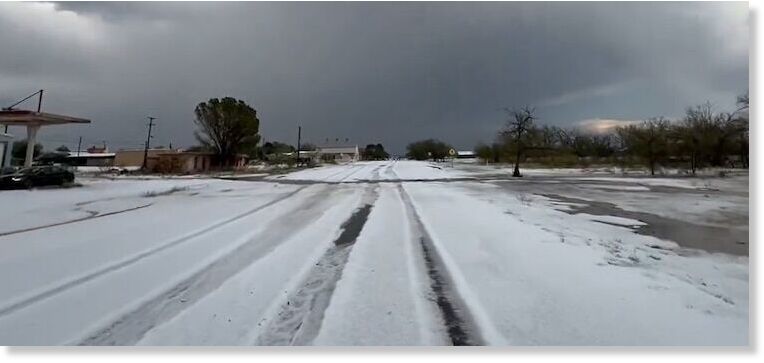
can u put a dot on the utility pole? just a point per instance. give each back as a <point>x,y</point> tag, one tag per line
<point>148,141</point>
<point>79,145</point>
<point>299,135</point>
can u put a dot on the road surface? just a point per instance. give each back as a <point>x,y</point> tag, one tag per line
<point>369,253</point>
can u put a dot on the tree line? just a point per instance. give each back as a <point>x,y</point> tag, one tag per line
<point>702,138</point>
<point>229,126</point>
<point>430,149</point>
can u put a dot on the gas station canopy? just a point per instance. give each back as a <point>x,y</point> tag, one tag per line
<point>25,118</point>
<point>33,121</point>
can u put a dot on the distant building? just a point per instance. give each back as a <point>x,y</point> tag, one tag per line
<point>338,153</point>
<point>183,162</point>
<point>134,157</point>
<point>102,159</point>
<point>97,150</point>
<point>191,162</point>
<point>465,154</point>
<point>175,160</point>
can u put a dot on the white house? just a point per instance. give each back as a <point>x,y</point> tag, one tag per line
<point>465,154</point>
<point>338,153</point>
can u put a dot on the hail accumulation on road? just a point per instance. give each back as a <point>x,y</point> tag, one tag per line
<point>377,253</point>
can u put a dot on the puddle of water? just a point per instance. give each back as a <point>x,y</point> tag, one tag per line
<point>708,238</point>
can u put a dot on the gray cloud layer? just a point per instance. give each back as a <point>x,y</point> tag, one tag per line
<point>371,72</point>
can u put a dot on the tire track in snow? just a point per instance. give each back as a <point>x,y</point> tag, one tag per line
<point>81,219</point>
<point>360,167</point>
<point>342,170</point>
<point>374,175</point>
<point>390,172</point>
<point>132,327</point>
<point>12,307</point>
<point>299,318</point>
<point>459,324</point>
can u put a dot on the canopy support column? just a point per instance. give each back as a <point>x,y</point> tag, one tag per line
<point>6,154</point>
<point>31,141</point>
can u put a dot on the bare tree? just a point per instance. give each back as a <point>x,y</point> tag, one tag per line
<point>742,101</point>
<point>703,137</point>
<point>647,140</point>
<point>519,125</point>
<point>694,134</point>
<point>742,125</point>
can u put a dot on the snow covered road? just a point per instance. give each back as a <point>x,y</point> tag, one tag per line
<point>370,253</point>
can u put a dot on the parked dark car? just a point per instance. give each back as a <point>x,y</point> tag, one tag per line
<point>36,176</point>
<point>7,170</point>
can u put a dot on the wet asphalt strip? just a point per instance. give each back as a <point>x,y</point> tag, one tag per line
<point>357,181</point>
<point>131,327</point>
<point>460,326</point>
<point>299,319</point>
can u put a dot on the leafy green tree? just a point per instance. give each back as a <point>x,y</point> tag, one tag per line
<point>227,126</point>
<point>275,147</point>
<point>308,147</point>
<point>427,149</point>
<point>63,149</point>
<point>19,150</point>
<point>484,152</point>
<point>375,152</point>
<point>199,148</point>
<point>489,153</point>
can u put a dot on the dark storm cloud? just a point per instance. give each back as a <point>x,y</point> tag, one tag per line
<point>371,72</point>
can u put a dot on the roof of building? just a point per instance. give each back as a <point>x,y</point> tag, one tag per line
<point>465,153</point>
<point>152,150</point>
<point>206,153</point>
<point>25,117</point>
<point>198,153</point>
<point>302,152</point>
<point>337,149</point>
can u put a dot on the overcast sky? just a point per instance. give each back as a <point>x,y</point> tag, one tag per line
<point>371,72</point>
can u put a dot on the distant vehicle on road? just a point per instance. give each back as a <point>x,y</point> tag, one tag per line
<point>36,176</point>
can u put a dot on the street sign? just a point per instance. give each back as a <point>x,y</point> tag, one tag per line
<point>452,152</point>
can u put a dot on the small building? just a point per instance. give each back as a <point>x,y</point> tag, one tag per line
<point>98,149</point>
<point>466,154</point>
<point>191,162</point>
<point>338,153</point>
<point>182,162</point>
<point>133,158</point>
<point>101,159</point>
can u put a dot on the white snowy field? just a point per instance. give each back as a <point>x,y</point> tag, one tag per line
<point>369,253</point>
